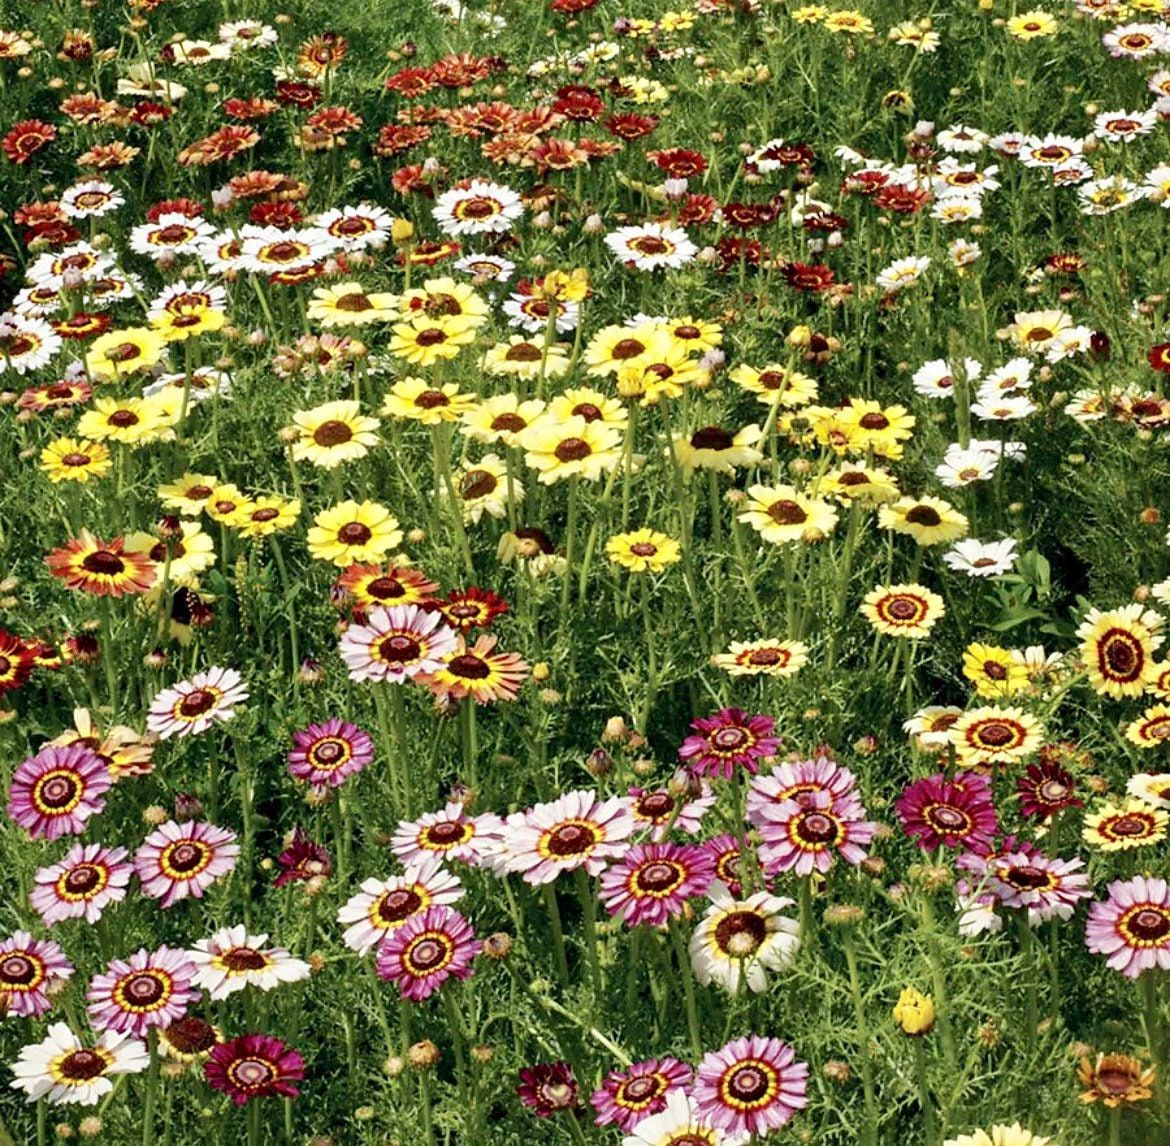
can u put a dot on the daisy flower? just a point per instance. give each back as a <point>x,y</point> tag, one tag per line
<point>1046,888</point>
<point>193,706</point>
<point>767,657</point>
<point>480,208</point>
<point>1152,788</point>
<point>1122,827</point>
<point>651,883</point>
<point>82,884</point>
<point>397,644</point>
<point>1115,1080</point>
<point>31,971</point>
<point>577,830</point>
<point>627,1096</point>
<point>982,558</point>
<point>477,671</point>
<point>1132,926</point>
<point>353,533</point>
<point>64,1070</point>
<point>651,246</point>
<point>382,906</point>
<point>752,1086</point>
<point>105,569</point>
<point>1045,789</point>
<point>988,736</point>
<point>326,755</point>
<point>254,1066</point>
<point>178,860</point>
<point>902,273</point>
<point>150,989</point>
<point>547,1088</point>
<point>55,792</point>
<point>449,834</point>
<point>334,433</point>
<point>728,740</point>
<point>908,611</point>
<point>740,941</point>
<point>782,514</point>
<point>663,812</point>
<point>958,813</point>
<point>804,835</point>
<point>231,960</point>
<point>427,950</point>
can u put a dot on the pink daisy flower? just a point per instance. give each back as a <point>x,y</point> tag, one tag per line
<point>651,883</point>
<point>956,813</point>
<point>397,644</point>
<point>1132,926</point>
<point>724,853</point>
<point>150,989</point>
<point>83,883</point>
<point>804,836</point>
<point>1047,888</point>
<point>193,706</point>
<point>752,1086</point>
<point>450,834</point>
<point>30,970</point>
<point>576,830</point>
<point>382,906</point>
<point>627,1096</point>
<point>178,860</point>
<point>426,951</point>
<point>326,755</point>
<point>728,740</point>
<point>662,812</point>
<point>254,1066</point>
<point>800,780</point>
<point>56,791</point>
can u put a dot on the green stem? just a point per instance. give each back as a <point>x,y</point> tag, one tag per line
<point>151,1090</point>
<point>554,918</point>
<point>869,1138</point>
<point>688,978</point>
<point>928,1112</point>
<point>589,910</point>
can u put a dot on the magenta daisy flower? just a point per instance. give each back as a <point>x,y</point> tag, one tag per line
<point>663,812</point>
<point>627,1096</point>
<point>548,1087</point>
<point>752,1086</point>
<point>800,780</point>
<point>1048,888</point>
<point>651,883</point>
<point>325,755</point>
<point>1045,789</point>
<point>382,906</point>
<point>193,706</point>
<point>450,834</point>
<point>728,740</point>
<point>803,836</point>
<point>724,853</point>
<point>254,1066</point>
<point>178,860</point>
<point>576,830</point>
<point>956,813</point>
<point>56,791</point>
<point>84,882</point>
<point>426,951</point>
<point>397,644</point>
<point>1132,926</point>
<point>30,970</point>
<point>150,989</point>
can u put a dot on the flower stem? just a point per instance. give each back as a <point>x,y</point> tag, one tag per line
<point>589,910</point>
<point>151,1090</point>
<point>869,1138</point>
<point>688,978</point>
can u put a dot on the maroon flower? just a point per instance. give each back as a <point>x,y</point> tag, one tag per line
<point>548,1087</point>
<point>254,1066</point>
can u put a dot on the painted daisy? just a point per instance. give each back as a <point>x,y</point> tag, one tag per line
<point>382,906</point>
<point>325,755</point>
<point>740,941</point>
<point>397,644</point>
<point>428,949</point>
<point>180,860</point>
<point>192,706</point>
<point>65,1070</point>
<point>149,989</point>
<point>55,792</point>
<point>231,960</point>
<point>752,1086</point>
<point>31,972</point>
<point>82,884</point>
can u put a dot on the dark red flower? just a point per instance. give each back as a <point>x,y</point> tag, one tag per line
<point>472,608</point>
<point>1045,789</point>
<point>808,276</point>
<point>293,93</point>
<point>254,1066</point>
<point>26,138</point>
<point>1159,357</point>
<point>548,1087</point>
<point>747,216</point>
<point>629,125</point>
<point>574,101</point>
<point>190,208</point>
<point>302,860</point>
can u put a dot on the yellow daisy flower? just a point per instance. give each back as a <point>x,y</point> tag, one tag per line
<point>353,533</point>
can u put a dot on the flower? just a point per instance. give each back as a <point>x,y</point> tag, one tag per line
<point>987,736</point>
<point>1118,648</point>
<point>351,533</point>
<point>716,450</point>
<point>254,1066</point>
<point>479,208</point>
<point>1045,789</point>
<point>106,569</point>
<point>1047,888</point>
<point>914,1012</point>
<point>55,792</point>
<point>902,610</point>
<point>982,558</point>
<point>83,883</point>
<point>326,755</point>
<point>803,835</point>
<point>781,514</point>
<point>767,657</point>
<point>728,740</point>
<point>348,304</point>
<point>955,813</point>
<point>678,1124</point>
<point>231,960</point>
<point>396,644</point>
<point>31,970</point>
<point>373,585</point>
<point>993,670</point>
<point>449,834</point>
<point>178,860</point>
<point>663,812</point>
<point>751,1086</point>
<point>65,1070</point>
<point>417,400</point>
<point>577,830</point>
<point>1032,25</point>
<point>1115,1080</point>
<point>627,1096</point>
<point>651,246</point>
<point>739,941</point>
<point>1152,788</point>
<point>193,706</point>
<point>651,883</point>
<point>547,1088</point>
<point>477,671</point>
<point>643,551</point>
<point>1121,827</point>
<point>929,520</point>
<point>1000,1135</point>
<point>302,860</point>
<point>189,1039</point>
<point>382,906</point>
<point>1132,926</point>
<point>150,989</point>
<point>428,949</point>
<point>75,459</point>
<point>118,353</point>
<point>570,447</point>
<point>332,434</point>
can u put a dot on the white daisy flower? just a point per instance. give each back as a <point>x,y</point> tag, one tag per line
<point>66,1071</point>
<point>982,558</point>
